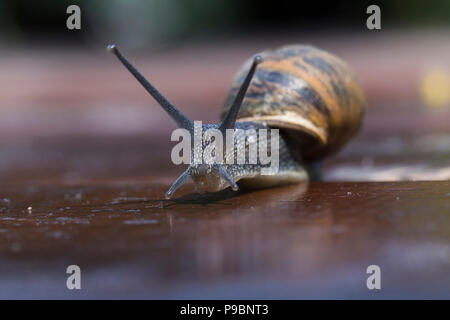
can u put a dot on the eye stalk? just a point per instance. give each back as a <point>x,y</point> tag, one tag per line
<point>230,119</point>
<point>183,122</point>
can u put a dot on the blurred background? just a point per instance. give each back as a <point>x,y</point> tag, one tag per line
<point>70,113</point>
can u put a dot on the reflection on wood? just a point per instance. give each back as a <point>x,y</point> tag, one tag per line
<point>297,241</point>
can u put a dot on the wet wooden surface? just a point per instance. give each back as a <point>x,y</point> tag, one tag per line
<point>85,162</point>
<point>299,241</point>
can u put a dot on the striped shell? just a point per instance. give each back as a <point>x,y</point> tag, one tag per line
<point>309,93</point>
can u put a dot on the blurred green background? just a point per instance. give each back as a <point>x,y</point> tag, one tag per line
<point>165,22</point>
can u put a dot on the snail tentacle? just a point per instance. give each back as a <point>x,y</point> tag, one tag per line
<point>230,119</point>
<point>178,183</point>
<point>180,119</point>
<point>224,174</point>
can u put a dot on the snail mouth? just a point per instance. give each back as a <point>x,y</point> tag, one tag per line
<point>211,178</point>
<point>206,178</point>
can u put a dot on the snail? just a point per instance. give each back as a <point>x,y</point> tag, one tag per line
<point>310,95</point>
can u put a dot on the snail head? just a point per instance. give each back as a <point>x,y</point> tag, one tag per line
<point>206,177</point>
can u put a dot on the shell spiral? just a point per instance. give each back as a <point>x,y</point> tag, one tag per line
<point>310,94</point>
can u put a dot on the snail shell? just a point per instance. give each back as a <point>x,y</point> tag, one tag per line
<point>312,95</point>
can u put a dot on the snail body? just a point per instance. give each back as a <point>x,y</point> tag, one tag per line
<point>310,95</point>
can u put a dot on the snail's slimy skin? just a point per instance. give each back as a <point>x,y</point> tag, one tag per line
<point>289,170</point>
